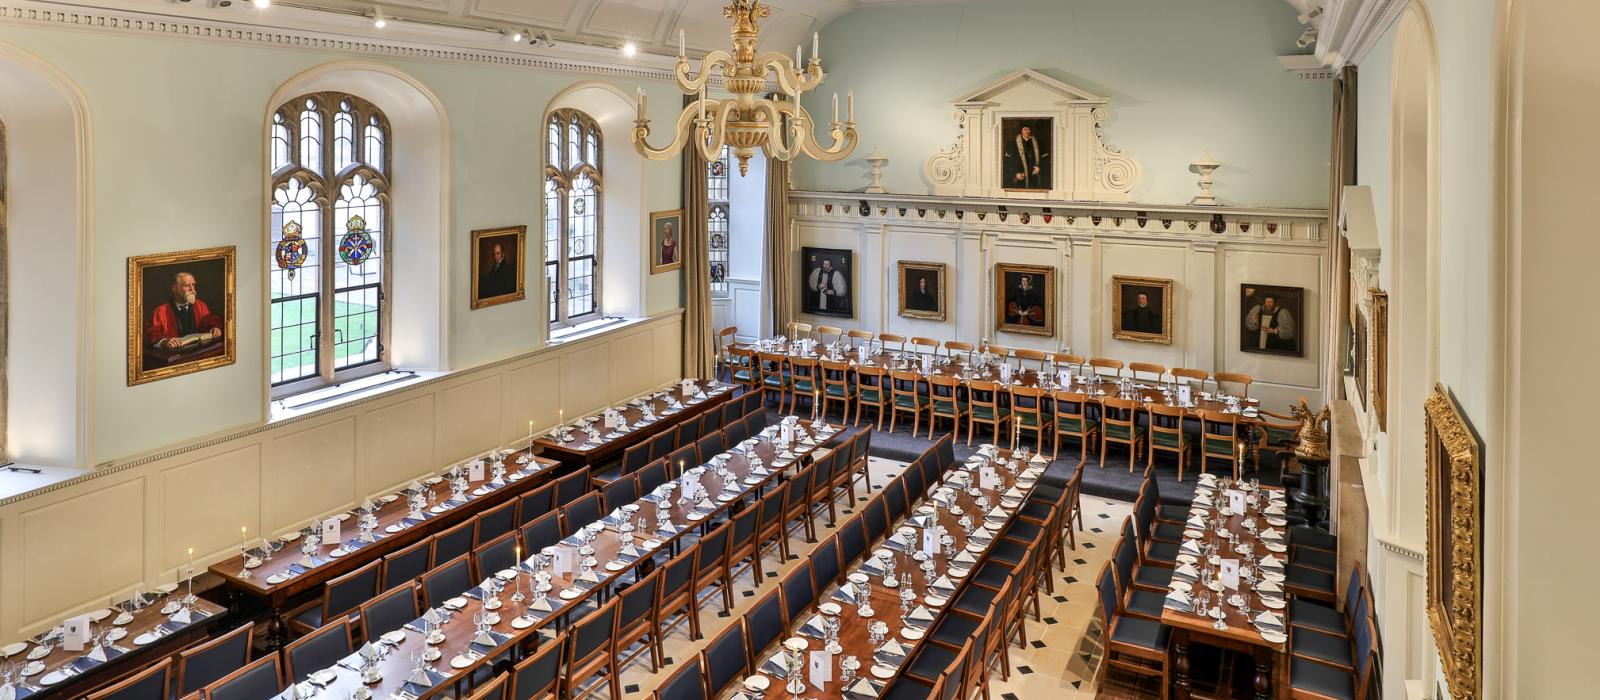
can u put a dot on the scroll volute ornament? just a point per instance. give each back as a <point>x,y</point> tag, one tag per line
<point>1455,526</point>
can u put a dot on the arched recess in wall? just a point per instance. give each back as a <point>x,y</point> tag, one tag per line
<point>622,262</point>
<point>1412,262</point>
<point>420,195</point>
<point>49,243</point>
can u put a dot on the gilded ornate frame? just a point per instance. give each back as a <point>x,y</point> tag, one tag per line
<point>521,232</point>
<point>137,264</point>
<point>1165,336</point>
<point>1047,277</point>
<point>1380,356</point>
<point>1455,548</point>
<point>938,270</point>
<point>676,217</point>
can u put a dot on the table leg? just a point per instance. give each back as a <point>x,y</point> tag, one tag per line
<point>1180,671</point>
<point>277,629</point>
<point>1263,674</point>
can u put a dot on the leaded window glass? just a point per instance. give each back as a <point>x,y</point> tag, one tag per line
<point>330,246</point>
<point>717,222</point>
<point>572,222</point>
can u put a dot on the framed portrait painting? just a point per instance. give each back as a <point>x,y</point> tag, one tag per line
<point>180,313</point>
<point>666,241</point>
<point>1026,149</point>
<point>1271,319</point>
<point>1141,309</point>
<point>499,256</point>
<point>1455,478</point>
<point>826,275</point>
<point>1025,299</point>
<point>922,290</point>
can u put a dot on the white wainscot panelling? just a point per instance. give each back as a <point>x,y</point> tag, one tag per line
<point>1305,269</point>
<point>398,442</point>
<point>79,548</point>
<point>1014,248</point>
<point>197,495</point>
<point>312,473</point>
<point>1192,309</point>
<point>469,418</point>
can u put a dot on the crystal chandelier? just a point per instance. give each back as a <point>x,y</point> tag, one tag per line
<point>748,121</point>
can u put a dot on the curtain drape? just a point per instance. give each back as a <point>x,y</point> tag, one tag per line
<point>780,243</point>
<point>1341,172</point>
<point>699,348</point>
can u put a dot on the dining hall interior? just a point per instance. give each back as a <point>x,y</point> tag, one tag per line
<point>762,349</point>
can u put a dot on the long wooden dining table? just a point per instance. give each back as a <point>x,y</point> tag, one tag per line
<point>457,656</point>
<point>1221,623</point>
<point>994,479</point>
<point>585,448</point>
<point>280,578</point>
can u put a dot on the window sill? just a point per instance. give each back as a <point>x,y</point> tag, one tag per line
<point>589,329</point>
<point>345,392</point>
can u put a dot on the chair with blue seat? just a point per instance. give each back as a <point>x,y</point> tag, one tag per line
<point>639,620</point>
<point>571,487</point>
<point>452,543</point>
<point>1158,552</point>
<point>1149,574</point>
<point>633,459</point>
<point>447,581</point>
<point>205,663</point>
<point>837,387</point>
<point>541,533</point>
<point>852,540</point>
<point>798,592</point>
<point>763,625</point>
<point>825,566</point>
<point>498,555</point>
<point>736,431</point>
<point>319,650</point>
<point>773,368</point>
<point>945,394</point>
<point>687,683</point>
<point>797,504</point>
<point>652,475</point>
<point>389,611</point>
<point>1120,419</point>
<point>1137,600</point>
<point>153,683</point>
<point>1073,420</point>
<point>742,368</point>
<point>1028,404</point>
<point>711,445</point>
<point>535,503</point>
<point>907,396</point>
<point>342,597</point>
<point>538,677</point>
<point>743,545</point>
<point>727,660</point>
<point>493,689</point>
<point>711,565</point>
<point>581,512</point>
<point>678,593</point>
<point>1167,435</point>
<point>1324,617</point>
<point>259,679</point>
<point>493,523</point>
<point>1131,643</point>
<point>986,409</point>
<point>620,492</point>
<point>663,443</point>
<point>1332,648</point>
<point>1310,679</point>
<point>872,391</point>
<point>592,651</point>
<point>771,525</point>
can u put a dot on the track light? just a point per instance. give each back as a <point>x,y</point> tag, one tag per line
<point>378,19</point>
<point>1307,38</point>
<point>544,39</point>
<point>517,35</point>
<point>629,50</point>
<point>511,35</point>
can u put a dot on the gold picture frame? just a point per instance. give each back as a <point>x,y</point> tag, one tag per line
<point>1131,320</point>
<point>499,281</point>
<point>1455,544</point>
<point>1021,307</point>
<point>1380,356</point>
<point>666,241</point>
<point>923,303</point>
<point>158,346</point>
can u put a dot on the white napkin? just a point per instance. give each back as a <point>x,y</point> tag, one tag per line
<point>1013,493</point>
<point>1038,459</point>
<point>1186,570</point>
<point>1197,521</point>
<point>484,639</point>
<point>1270,619</point>
<point>630,551</point>
<point>1272,534</point>
<point>416,486</point>
<point>8,692</point>
<point>706,504</point>
<point>181,617</point>
<point>1274,509</point>
<point>368,652</point>
<point>419,678</point>
<point>964,557</point>
<point>921,614</point>
<point>431,617</point>
<point>1190,546</point>
<point>1266,586</point>
<point>848,591</point>
<point>1180,598</point>
<point>943,583</point>
<point>588,577</point>
<point>996,514</point>
<point>1271,562</point>
<point>892,648</point>
<point>861,688</point>
<point>367,504</point>
<point>98,653</point>
<point>542,604</point>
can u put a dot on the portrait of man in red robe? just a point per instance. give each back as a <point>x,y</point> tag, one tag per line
<point>182,320</point>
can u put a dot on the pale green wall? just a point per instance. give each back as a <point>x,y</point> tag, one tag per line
<point>178,160</point>
<point>1182,77</point>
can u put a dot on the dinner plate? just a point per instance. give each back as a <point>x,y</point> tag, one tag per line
<point>145,638</point>
<point>337,552</point>
<point>438,509</point>
<point>616,565</point>
<point>652,544</point>
<point>859,578</point>
<point>1182,586</point>
<point>830,608</point>
<point>394,636</point>
<point>433,480</point>
<point>40,652</point>
<point>1273,603</point>
<point>695,516</point>
<point>1188,559</point>
<point>115,634</point>
<point>324,677</point>
<point>521,623</point>
<point>757,683</point>
<point>912,633</point>
<point>54,677</point>
<point>1275,547</point>
<point>170,587</point>
<point>342,517</point>
<point>570,593</point>
<point>884,672</point>
<point>935,601</point>
<point>1215,586</point>
<point>394,528</point>
<point>12,649</point>
<point>291,537</point>
<point>456,603</point>
<point>1274,637</point>
<point>272,580</point>
<point>123,619</point>
<point>100,614</point>
<point>391,498</point>
<point>459,661</point>
<point>956,572</point>
<point>491,619</point>
<point>252,562</point>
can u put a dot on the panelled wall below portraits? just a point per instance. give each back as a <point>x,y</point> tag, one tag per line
<point>1215,283</point>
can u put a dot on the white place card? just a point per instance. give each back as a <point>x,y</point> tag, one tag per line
<point>1228,571</point>
<point>1236,501</point>
<point>75,633</point>
<point>988,478</point>
<point>1185,394</point>
<point>821,669</point>
<point>330,531</point>
<point>475,472</point>
<point>563,562</point>
<point>687,387</point>
<point>930,542</point>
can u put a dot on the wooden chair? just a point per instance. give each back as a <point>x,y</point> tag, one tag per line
<point>262,678</point>
<point>898,340</point>
<point>1072,420</point>
<point>678,593</point>
<point>1069,360</point>
<point>592,651</point>
<point>1227,382</point>
<point>1121,425</point>
<point>856,334</point>
<point>390,611</point>
<point>1198,376</point>
<point>538,677</point>
<point>725,341</point>
<point>771,525</point>
<point>1152,369</point>
<point>686,683</point>
<point>1275,432</point>
<point>984,398</point>
<point>1026,355</point>
<point>797,505</point>
<point>1102,363</point>
<point>711,565</point>
<point>639,619</point>
<point>836,386</point>
<point>743,544</point>
<point>205,663</point>
<point>493,689</point>
<point>447,581</point>
<point>774,370</point>
<point>742,368</point>
<point>1166,433</point>
<point>797,330</point>
<point>829,334</point>
<point>535,503</point>
<point>341,597</point>
<point>927,346</point>
<point>945,394</point>
<point>804,383</point>
<point>1130,643</point>
<point>908,397</point>
<point>957,349</point>
<point>1027,408</point>
<point>494,522</point>
<point>321,649</point>
<point>452,543</point>
<point>1219,439</point>
<point>872,391</point>
<point>1002,353</point>
<point>153,683</point>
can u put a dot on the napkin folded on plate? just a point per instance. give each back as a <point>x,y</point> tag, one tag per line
<point>705,504</point>
<point>420,678</point>
<point>630,551</point>
<point>588,577</point>
<point>892,648</point>
<point>1190,546</point>
<point>1197,521</point>
<point>871,567</point>
<point>774,666</point>
<point>846,593</point>
<point>1178,600</point>
<point>943,583</point>
<point>812,627</point>
<point>1266,586</point>
<point>862,688</point>
<point>921,617</point>
<point>899,541</point>
<point>1271,562</point>
<point>964,558</point>
<point>1203,499</point>
<point>1013,492</point>
<point>541,604</point>
<point>1187,572</point>
<point>996,513</point>
<point>1274,509</point>
<point>1269,619</point>
<point>1272,535</point>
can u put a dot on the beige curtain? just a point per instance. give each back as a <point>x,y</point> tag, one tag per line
<point>699,344</point>
<point>780,242</point>
<point>1341,172</point>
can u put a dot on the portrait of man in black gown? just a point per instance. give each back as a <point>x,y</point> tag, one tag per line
<point>1143,309</point>
<point>497,256</point>
<point>922,290</point>
<point>1025,148</point>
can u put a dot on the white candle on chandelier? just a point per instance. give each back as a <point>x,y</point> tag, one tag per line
<point>702,103</point>
<point>642,99</point>
<point>680,44</point>
<point>815,55</point>
<point>850,106</point>
<point>836,107</point>
<point>797,63</point>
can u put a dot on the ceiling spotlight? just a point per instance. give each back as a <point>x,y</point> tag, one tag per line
<point>378,19</point>
<point>516,36</point>
<point>512,35</point>
<point>543,38</point>
<point>1307,37</point>
<point>629,49</point>
<point>261,4</point>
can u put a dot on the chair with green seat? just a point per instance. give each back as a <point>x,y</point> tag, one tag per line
<point>1027,410</point>
<point>773,368</point>
<point>742,368</point>
<point>906,395</point>
<point>856,334</point>
<point>1219,439</point>
<point>805,382</point>
<point>1002,354</point>
<point>1166,434</point>
<point>1104,366</point>
<point>1073,420</point>
<point>984,399</point>
<point>872,391</point>
<point>895,339</point>
<point>1121,419</point>
<point>925,346</point>
<point>836,386</point>
<point>1031,359</point>
<point>1066,360</point>
<point>829,334</point>
<point>958,350</point>
<point>945,393</point>
<point>1275,432</point>
<point>725,341</point>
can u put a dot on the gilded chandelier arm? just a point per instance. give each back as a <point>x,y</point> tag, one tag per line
<point>680,136</point>
<point>691,83</point>
<point>781,65</point>
<point>844,139</point>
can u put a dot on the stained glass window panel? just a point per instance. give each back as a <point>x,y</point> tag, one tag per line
<point>717,234</point>
<point>311,137</point>
<point>373,148</point>
<point>358,273</point>
<point>282,143</point>
<point>572,216</point>
<point>344,138</point>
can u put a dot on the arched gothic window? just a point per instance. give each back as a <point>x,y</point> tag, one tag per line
<point>717,222</point>
<point>572,188</point>
<point>330,245</point>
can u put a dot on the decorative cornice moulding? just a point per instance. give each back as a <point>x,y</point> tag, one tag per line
<point>434,45</point>
<point>1348,29</point>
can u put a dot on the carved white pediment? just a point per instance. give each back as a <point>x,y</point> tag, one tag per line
<point>1082,166</point>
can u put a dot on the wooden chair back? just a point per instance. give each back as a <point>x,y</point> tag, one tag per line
<point>1152,369</point>
<point>1219,438</point>
<point>1026,355</point>
<point>742,367</point>
<point>153,683</point>
<point>1069,359</point>
<point>957,348</point>
<point>899,341</point>
<point>204,663</point>
<point>1104,363</point>
<point>925,345</point>
<point>829,334</point>
<point>856,334</point>
<point>798,330</point>
<point>1236,383</point>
